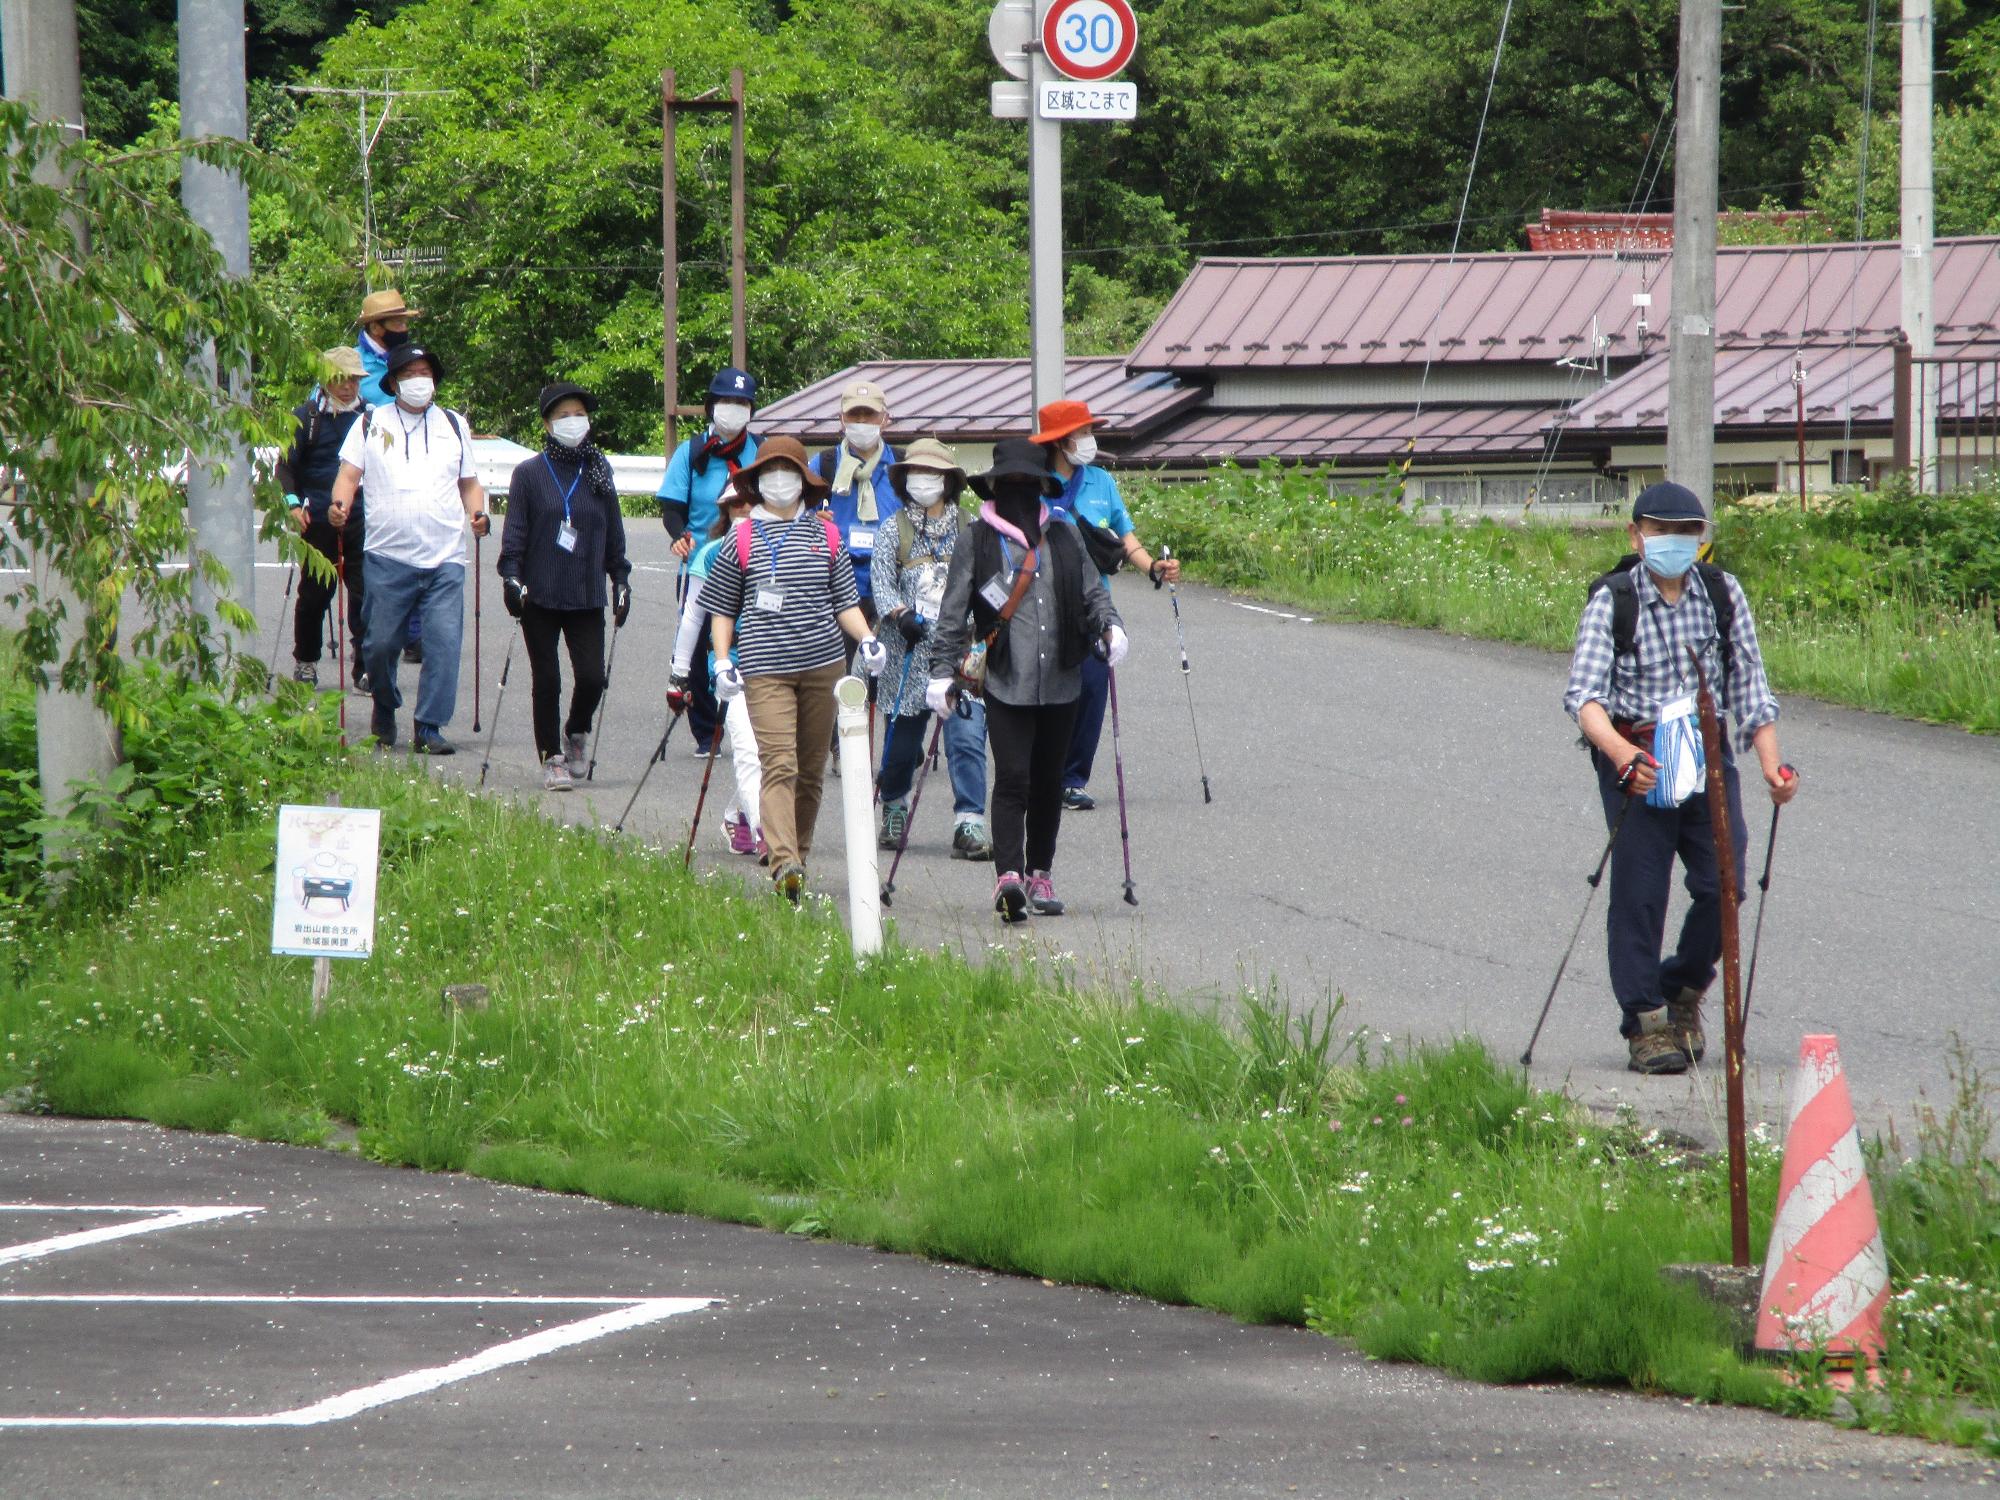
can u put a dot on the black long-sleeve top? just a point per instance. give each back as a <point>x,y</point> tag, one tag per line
<point>554,578</point>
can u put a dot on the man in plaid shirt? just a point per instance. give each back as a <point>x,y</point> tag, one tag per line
<point>1615,699</point>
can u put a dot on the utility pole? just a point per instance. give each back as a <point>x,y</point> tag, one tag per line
<point>73,740</point>
<point>367,140</point>
<point>1045,238</point>
<point>1691,352</point>
<point>220,512</point>
<point>1917,230</point>
<point>671,106</point>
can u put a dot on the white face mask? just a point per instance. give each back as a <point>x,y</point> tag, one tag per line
<point>730,417</point>
<point>1083,449</point>
<point>862,436</point>
<point>780,489</point>
<point>925,489</point>
<point>416,391</point>
<point>569,431</point>
<point>348,405</point>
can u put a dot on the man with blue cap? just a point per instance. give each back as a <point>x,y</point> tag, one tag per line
<point>1631,687</point>
<point>696,475</point>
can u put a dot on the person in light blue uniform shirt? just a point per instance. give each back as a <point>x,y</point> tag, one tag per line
<point>697,472</point>
<point>1067,431</point>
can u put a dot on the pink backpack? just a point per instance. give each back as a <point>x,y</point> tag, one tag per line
<point>743,542</point>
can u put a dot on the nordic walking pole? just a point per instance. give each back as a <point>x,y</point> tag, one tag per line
<point>707,770</point>
<point>659,754</point>
<point>284,612</point>
<point>1789,773</point>
<point>340,623</point>
<point>478,574</point>
<point>597,735</point>
<point>1118,764</point>
<point>1594,879</point>
<point>1180,634</point>
<point>916,798</point>
<point>493,732</point>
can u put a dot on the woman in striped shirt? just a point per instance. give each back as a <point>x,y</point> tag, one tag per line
<point>781,593</point>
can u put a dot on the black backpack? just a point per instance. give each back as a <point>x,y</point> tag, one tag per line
<point>1625,608</point>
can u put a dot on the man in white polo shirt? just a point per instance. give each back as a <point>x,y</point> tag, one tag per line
<point>414,460</point>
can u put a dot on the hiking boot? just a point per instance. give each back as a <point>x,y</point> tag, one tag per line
<point>1657,1048</point>
<point>790,881</point>
<point>414,653</point>
<point>427,741</point>
<point>1076,799</point>
<point>306,672</point>
<point>1042,894</point>
<point>383,726</point>
<point>1684,1020</point>
<point>555,775</point>
<point>741,840</point>
<point>1010,898</point>
<point>895,823</point>
<point>361,684</point>
<point>576,754</point>
<point>969,841</point>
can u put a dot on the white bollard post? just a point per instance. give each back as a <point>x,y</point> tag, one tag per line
<point>857,778</point>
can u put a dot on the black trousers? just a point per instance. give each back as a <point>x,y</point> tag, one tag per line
<point>1029,748</point>
<point>316,598</point>
<point>583,631</point>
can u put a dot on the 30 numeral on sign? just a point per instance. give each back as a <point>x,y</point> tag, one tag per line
<point>1090,40</point>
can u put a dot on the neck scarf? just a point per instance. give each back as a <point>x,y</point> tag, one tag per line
<point>714,445</point>
<point>588,457</point>
<point>857,475</point>
<point>990,514</point>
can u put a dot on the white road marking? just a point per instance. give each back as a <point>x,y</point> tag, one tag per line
<point>1258,609</point>
<point>161,1216</point>
<point>628,1313</point>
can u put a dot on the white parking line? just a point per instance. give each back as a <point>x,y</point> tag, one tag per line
<point>160,1216</point>
<point>1258,609</point>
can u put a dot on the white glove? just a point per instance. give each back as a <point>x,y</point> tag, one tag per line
<point>728,682</point>
<point>1115,646</point>
<point>937,696</point>
<point>874,657</point>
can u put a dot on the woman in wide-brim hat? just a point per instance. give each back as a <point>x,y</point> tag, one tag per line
<point>1017,560</point>
<point>912,561</point>
<point>562,551</point>
<point>780,596</point>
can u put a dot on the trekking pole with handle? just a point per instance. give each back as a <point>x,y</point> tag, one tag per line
<point>340,623</point>
<point>1118,764</point>
<point>659,754</point>
<point>478,573</point>
<point>1788,773</point>
<point>1180,634</point>
<point>1594,879</point>
<point>493,731</point>
<point>284,613</point>
<point>707,770</point>
<point>916,797</point>
<point>597,735</point>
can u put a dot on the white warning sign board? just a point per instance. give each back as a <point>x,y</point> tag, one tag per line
<point>325,902</point>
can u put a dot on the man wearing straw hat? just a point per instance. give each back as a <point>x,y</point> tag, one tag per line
<point>385,325</point>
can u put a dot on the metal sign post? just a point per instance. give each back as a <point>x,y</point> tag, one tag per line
<point>1045,269</point>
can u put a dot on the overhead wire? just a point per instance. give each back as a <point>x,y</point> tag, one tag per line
<point>1860,228</point>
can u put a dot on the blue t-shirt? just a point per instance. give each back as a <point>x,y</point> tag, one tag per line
<point>374,365</point>
<point>1093,494</point>
<point>699,564</point>
<point>844,509</point>
<point>698,492</point>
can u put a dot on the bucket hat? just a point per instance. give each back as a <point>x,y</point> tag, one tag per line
<point>401,359</point>
<point>1061,418</point>
<point>562,390</point>
<point>782,450</point>
<point>927,453</point>
<point>1016,458</point>
<point>344,361</point>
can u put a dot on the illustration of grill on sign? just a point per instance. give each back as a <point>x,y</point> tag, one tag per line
<point>321,888</point>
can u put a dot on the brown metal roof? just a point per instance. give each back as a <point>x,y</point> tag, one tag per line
<point>980,400</point>
<point>1353,434</point>
<point>1753,388</point>
<point>1536,308</point>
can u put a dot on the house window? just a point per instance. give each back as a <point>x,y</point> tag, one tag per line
<point>1850,466</point>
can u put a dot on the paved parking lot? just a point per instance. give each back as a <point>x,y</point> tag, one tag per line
<point>185,1316</point>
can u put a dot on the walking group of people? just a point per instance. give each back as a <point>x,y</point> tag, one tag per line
<point>988,626</point>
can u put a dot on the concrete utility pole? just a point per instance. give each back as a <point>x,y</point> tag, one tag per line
<point>1918,229</point>
<point>220,514</point>
<point>1045,268</point>
<point>1691,351</point>
<point>73,741</point>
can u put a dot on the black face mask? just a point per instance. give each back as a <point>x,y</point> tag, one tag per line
<point>393,340</point>
<point>1019,502</point>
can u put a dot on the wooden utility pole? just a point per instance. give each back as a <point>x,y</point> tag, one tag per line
<point>1691,350</point>
<point>1918,227</point>
<point>671,105</point>
<point>1732,969</point>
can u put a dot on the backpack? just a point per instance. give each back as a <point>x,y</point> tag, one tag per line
<point>1625,608</point>
<point>742,530</point>
<point>906,534</point>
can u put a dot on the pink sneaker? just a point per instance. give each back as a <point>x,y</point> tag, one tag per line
<point>1010,898</point>
<point>741,840</point>
<point>1042,894</point>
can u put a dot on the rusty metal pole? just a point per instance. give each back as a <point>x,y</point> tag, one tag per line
<point>670,260</point>
<point>739,326</point>
<point>1900,441</point>
<point>1732,985</point>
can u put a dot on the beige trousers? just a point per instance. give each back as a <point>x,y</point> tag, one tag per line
<point>791,715</point>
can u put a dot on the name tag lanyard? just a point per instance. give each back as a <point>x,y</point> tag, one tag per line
<point>565,538</point>
<point>771,598</point>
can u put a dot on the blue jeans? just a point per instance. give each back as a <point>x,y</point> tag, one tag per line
<point>1089,723</point>
<point>965,755</point>
<point>397,591</point>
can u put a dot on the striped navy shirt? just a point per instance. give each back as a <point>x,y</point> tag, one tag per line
<point>803,633</point>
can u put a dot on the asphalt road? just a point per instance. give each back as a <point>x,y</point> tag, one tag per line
<point>774,1366</point>
<point>1401,818</point>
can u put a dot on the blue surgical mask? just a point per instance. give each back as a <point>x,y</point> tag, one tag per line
<point>1671,556</point>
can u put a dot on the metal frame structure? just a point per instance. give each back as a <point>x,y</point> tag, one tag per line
<point>671,106</point>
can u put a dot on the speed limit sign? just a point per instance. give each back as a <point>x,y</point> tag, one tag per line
<point>1089,39</point>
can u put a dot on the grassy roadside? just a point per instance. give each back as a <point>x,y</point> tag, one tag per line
<point>1857,605</point>
<point>659,1041</point>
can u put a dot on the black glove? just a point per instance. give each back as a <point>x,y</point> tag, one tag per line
<point>911,624</point>
<point>1158,573</point>
<point>621,604</point>
<point>514,594</point>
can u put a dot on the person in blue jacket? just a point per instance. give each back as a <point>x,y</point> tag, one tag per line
<point>385,325</point>
<point>862,497</point>
<point>696,473</point>
<point>1067,431</point>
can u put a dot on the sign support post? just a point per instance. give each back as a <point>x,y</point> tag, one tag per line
<point>1045,269</point>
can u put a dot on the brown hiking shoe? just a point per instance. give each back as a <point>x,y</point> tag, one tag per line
<point>1657,1048</point>
<point>1684,1020</point>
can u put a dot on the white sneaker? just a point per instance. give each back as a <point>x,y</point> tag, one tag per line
<point>555,775</point>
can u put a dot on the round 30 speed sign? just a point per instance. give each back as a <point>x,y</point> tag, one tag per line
<point>1089,39</point>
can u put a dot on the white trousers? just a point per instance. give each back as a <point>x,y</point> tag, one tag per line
<point>749,769</point>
